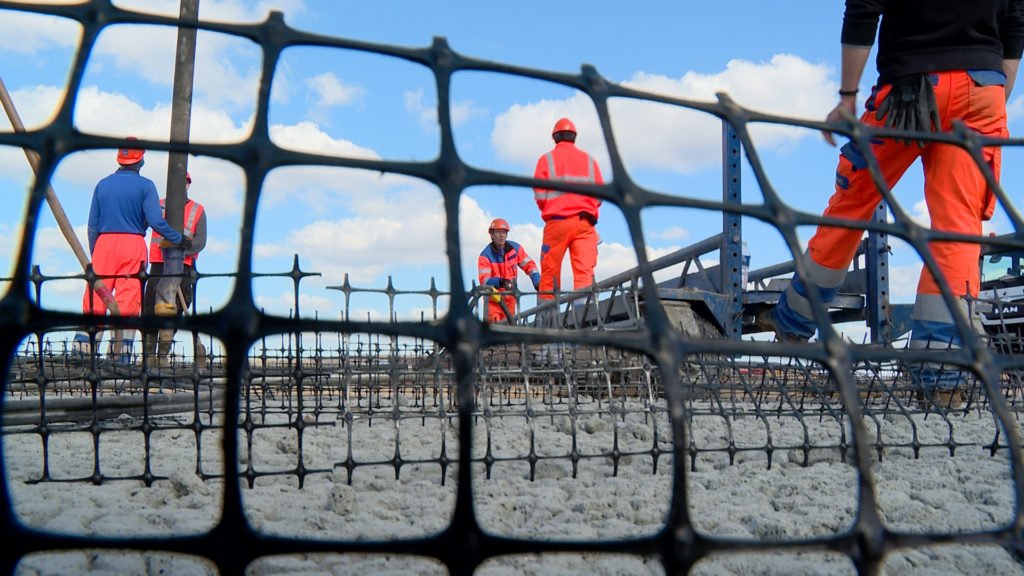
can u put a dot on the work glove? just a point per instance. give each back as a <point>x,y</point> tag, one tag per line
<point>186,243</point>
<point>506,284</point>
<point>536,280</point>
<point>910,105</point>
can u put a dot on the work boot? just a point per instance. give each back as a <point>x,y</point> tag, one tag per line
<point>944,399</point>
<point>766,321</point>
<point>949,399</point>
<point>201,360</point>
<point>149,349</point>
<point>163,353</point>
<point>122,352</point>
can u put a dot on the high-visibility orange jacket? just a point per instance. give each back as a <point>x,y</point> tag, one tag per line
<point>566,162</point>
<point>494,266</point>
<point>193,215</point>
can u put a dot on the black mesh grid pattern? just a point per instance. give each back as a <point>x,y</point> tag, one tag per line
<point>462,546</point>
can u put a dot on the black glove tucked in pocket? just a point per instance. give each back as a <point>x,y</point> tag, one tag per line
<point>910,105</point>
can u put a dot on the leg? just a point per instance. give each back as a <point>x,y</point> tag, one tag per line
<point>494,312</point>
<point>958,200</point>
<point>556,241</point>
<point>831,250</point>
<point>188,285</point>
<point>156,269</point>
<point>583,254</point>
<point>104,265</point>
<point>128,290</point>
<point>510,304</point>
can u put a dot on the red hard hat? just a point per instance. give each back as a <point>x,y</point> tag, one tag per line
<point>126,156</point>
<point>563,125</point>
<point>498,224</point>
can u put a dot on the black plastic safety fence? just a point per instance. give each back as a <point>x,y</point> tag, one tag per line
<point>469,402</point>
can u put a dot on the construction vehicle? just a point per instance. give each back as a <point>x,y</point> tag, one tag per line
<point>1000,306</point>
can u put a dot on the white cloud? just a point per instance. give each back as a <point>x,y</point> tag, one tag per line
<point>308,137</point>
<point>919,214</point>
<point>227,67</point>
<point>903,282</point>
<point>216,186</point>
<point>461,112</point>
<point>227,70</point>
<point>52,247</point>
<point>523,132</point>
<point>216,245</point>
<point>63,294</point>
<point>675,139</point>
<point>35,106</point>
<point>671,233</point>
<point>283,304</point>
<point>1015,109</point>
<point>25,33</point>
<point>330,91</point>
<point>221,10</point>
<point>378,239</point>
<point>111,113</point>
<point>615,258</point>
<point>426,115</point>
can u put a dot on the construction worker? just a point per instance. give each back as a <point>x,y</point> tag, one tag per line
<point>194,227</point>
<point>124,205</point>
<point>938,61</point>
<point>569,219</point>
<point>496,268</point>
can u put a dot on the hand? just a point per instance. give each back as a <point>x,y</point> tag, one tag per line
<point>910,105</point>
<point>506,284</point>
<point>845,110</point>
<point>186,243</point>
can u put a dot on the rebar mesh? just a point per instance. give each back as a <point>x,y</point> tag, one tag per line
<point>462,404</point>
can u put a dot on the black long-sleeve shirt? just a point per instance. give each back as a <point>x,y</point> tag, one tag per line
<point>919,36</point>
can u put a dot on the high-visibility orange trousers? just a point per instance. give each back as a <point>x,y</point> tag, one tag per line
<point>956,192</point>
<point>580,238</point>
<point>495,313</point>
<point>120,256</point>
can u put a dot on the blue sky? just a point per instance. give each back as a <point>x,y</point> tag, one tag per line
<point>372,226</point>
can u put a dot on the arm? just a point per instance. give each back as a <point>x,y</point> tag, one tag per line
<point>483,268</point>
<point>94,222</point>
<point>540,173</point>
<point>199,240</point>
<point>1010,69</point>
<point>853,62</point>
<point>529,266</point>
<point>860,26</point>
<point>1011,32</point>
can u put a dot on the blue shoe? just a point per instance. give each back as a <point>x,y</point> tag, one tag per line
<point>941,385</point>
<point>765,320</point>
